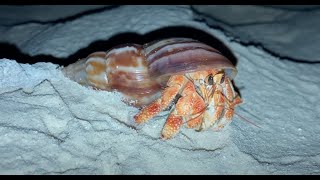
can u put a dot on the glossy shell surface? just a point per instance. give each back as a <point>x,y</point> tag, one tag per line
<point>123,69</point>
<point>180,55</point>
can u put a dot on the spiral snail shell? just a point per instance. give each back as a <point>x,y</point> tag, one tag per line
<point>123,68</point>
<point>140,71</point>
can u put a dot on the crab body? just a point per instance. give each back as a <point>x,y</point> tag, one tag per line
<point>207,99</point>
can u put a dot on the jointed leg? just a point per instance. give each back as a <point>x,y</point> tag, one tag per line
<point>175,83</point>
<point>189,104</point>
<point>231,100</point>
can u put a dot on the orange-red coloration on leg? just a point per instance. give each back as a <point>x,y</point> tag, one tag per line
<point>232,100</point>
<point>148,112</point>
<point>229,90</point>
<point>195,122</point>
<point>230,110</point>
<point>171,126</point>
<point>219,105</point>
<point>193,108</point>
<point>198,107</point>
<point>175,83</point>
<point>188,105</point>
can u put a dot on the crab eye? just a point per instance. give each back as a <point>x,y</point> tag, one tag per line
<point>210,79</point>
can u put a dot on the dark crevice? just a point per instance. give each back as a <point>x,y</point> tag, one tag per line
<point>121,122</point>
<point>305,9</point>
<point>66,171</point>
<point>196,149</point>
<point>281,57</point>
<point>66,19</point>
<point>256,23</point>
<point>17,128</point>
<point>276,162</point>
<point>202,17</point>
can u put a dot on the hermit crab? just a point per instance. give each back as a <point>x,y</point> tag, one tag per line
<point>191,77</point>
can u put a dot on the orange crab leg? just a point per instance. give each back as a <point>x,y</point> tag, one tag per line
<point>190,103</point>
<point>172,126</point>
<point>218,105</point>
<point>226,119</point>
<point>230,95</point>
<point>231,100</point>
<point>174,84</point>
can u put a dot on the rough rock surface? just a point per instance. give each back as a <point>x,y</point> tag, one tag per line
<point>286,31</point>
<point>14,15</point>
<point>51,125</point>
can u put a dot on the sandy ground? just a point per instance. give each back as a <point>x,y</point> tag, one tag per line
<point>51,125</point>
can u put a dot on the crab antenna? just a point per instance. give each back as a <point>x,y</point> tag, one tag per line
<point>246,120</point>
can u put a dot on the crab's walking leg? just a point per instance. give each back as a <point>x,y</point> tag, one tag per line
<point>231,100</point>
<point>174,84</point>
<point>189,103</point>
<point>171,126</point>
